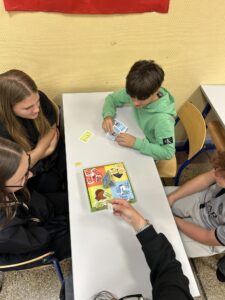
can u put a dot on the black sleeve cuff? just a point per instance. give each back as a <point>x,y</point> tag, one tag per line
<point>147,235</point>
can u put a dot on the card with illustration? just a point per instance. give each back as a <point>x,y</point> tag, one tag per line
<point>107,182</point>
<point>107,179</point>
<point>118,127</point>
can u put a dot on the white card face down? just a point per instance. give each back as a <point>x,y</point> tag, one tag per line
<point>110,207</point>
<point>118,127</point>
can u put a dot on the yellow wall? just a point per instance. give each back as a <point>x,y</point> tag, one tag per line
<point>72,53</point>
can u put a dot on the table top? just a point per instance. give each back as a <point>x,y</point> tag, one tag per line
<point>215,95</point>
<point>106,254</point>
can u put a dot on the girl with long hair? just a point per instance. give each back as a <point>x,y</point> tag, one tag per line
<point>30,223</point>
<point>30,119</point>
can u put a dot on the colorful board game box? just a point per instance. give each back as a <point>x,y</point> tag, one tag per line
<point>107,182</point>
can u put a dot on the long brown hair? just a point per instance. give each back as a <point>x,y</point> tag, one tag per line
<point>10,158</point>
<point>15,86</point>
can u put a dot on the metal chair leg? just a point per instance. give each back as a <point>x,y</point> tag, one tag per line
<point>180,170</point>
<point>1,279</point>
<point>58,269</point>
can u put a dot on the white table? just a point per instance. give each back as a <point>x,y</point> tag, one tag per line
<point>215,95</point>
<point>106,254</point>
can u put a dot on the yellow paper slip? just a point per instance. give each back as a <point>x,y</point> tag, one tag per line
<point>86,135</point>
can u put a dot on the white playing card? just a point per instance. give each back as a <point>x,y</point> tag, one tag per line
<point>118,127</point>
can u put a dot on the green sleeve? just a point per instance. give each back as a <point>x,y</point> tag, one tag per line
<point>163,146</point>
<point>112,101</point>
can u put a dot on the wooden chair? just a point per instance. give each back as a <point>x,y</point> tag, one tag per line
<point>167,168</point>
<point>42,260</point>
<point>195,127</point>
<point>217,133</point>
<point>59,118</point>
<point>57,110</point>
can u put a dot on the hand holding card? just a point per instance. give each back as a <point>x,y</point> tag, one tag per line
<point>118,127</point>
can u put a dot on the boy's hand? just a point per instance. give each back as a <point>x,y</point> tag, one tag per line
<point>107,124</point>
<point>126,140</point>
<point>126,211</point>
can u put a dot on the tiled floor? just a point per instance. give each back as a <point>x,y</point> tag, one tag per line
<point>37,284</point>
<point>44,284</point>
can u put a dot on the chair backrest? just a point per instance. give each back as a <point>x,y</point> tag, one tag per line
<point>59,116</point>
<point>26,264</point>
<point>56,108</point>
<point>167,168</point>
<point>217,133</point>
<point>195,127</point>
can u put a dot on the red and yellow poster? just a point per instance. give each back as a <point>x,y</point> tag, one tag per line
<point>88,6</point>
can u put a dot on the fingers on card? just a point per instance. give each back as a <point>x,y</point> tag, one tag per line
<point>118,127</point>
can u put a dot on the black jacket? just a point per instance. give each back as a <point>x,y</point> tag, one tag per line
<point>167,279</point>
<point>36,228</point>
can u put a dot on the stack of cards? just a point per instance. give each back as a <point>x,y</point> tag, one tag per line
<point>118,127</point>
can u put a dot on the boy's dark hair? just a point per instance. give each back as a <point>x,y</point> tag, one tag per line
<point>144,79</point>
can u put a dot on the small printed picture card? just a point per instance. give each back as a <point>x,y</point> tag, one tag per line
<point>118,127</point>
<point>110,207</point>
<point>86,135</point>
<point>107,179</point>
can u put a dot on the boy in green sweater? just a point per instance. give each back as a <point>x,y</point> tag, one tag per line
<point>154,109</point>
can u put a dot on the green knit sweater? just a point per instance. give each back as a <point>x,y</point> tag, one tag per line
<point>156,120</point>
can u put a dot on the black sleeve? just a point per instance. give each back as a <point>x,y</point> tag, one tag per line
<point>21,234</point>
<point>167,279</point>
<point>47,108</point>
<point>21,237</point>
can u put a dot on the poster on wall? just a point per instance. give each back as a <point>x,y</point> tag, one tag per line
<point>88,6</point>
